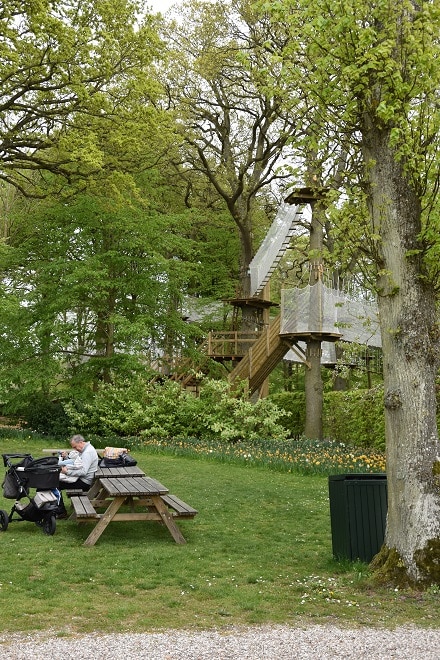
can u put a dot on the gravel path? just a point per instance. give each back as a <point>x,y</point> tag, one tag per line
<point>256,643</point>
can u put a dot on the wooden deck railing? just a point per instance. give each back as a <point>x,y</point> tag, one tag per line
<point>230,344</point>
<point>257,353</point>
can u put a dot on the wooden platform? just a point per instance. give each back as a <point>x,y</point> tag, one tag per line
<point>230,344</point>
<point>315,336</point>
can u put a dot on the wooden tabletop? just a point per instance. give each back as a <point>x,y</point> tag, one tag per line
<point>132,471</point>
<point>137,486</point>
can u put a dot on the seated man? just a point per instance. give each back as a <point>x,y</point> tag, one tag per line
<point>83,469</point>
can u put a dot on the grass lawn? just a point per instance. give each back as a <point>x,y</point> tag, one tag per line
<point>259,551</point>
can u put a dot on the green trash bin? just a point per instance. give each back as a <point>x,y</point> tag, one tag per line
<point>358,513</point>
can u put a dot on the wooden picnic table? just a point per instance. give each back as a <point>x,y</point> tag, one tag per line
<point>143,499</point>
<point>122,471</point>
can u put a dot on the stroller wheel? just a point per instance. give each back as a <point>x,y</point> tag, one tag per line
<point>49,525</point>
<point>4,521</point>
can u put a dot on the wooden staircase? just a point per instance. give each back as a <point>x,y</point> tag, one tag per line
<point>184,369</point>
<point>256,354</point>
<point>262,357</point>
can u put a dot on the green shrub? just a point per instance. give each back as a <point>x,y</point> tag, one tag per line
<point>293,411</point>
<point>46,416</point>
<point>125,408</point>
<point>355,417</point>
<point>133,407</point>
<point>218,413</point>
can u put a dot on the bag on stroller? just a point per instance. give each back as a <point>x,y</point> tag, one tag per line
<point>13,485</point>
<point>10,487</point>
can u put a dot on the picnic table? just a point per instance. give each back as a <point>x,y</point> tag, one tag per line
<point>141,497</point>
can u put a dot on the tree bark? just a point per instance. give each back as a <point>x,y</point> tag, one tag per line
<point>314,389</point>
<point>104,339</point>
<point>410,341</point>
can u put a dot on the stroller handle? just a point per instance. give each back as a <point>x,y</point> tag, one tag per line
<point>7,458</point>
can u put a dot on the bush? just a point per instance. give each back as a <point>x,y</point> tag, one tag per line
<point>218,413</point>
<point>293,411</point>
<point>46,416</point>
<point>356,417</point>
<point>136,408</point>
<point>124,408</point>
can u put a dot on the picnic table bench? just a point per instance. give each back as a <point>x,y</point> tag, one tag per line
<point>83,507</point>
<point>143,499</point>
<point>180,508</point>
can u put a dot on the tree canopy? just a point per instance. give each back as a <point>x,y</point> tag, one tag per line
<point>237,118</point>
<point>70,72</point>
<point>250,97</point>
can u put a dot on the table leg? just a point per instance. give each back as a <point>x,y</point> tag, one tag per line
<point>94,490</point>
<point>105,519</point>
<point>168,519</point>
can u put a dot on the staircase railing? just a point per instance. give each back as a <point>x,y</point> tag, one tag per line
<point>230,344</point>
<point>261,358</point>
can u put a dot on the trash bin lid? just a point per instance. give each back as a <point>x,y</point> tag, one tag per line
<point>358,477</point>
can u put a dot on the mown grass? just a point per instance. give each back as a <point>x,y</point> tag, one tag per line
<point>259,551</point>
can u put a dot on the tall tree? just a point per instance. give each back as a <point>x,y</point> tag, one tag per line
<point>235,127</point>
<point>64,64</point>
<point>373,67</point>
<point>90,284</point>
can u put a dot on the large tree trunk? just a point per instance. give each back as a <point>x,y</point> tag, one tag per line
<point>410,341</point>
<point>250,319</point>
<point>314,389</point>
<point>104,339</point>
<point>245,231</point>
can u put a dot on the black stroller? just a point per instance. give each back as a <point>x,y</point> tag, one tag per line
<point>42,474</point>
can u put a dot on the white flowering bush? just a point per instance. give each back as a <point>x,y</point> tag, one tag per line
<point>134,407</point>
